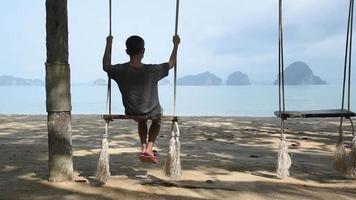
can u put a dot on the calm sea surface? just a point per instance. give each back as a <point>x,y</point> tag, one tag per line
<point>256,100</point>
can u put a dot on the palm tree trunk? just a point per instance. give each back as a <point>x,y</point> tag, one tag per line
<point>58,96</point>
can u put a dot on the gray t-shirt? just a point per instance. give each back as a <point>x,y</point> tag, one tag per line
<point>138,86</point>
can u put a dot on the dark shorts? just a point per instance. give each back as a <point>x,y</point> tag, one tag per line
<point>154,116</point>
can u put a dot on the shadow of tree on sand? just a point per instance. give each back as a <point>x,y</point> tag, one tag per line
<point>214,146</point>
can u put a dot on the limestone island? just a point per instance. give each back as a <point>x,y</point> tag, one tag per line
<point>299,73</point>
<point>16,81</point>
<point>238,78</point>
<point>205,78</point>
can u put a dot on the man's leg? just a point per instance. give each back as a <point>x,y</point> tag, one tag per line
<point>152,135</point>
<point>142,131</point>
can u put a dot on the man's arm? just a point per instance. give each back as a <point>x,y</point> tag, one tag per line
<point>107,54</point>
<point>173,59</point>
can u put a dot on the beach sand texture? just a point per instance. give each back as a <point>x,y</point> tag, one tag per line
<point>222,158</point>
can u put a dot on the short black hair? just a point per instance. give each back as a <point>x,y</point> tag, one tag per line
<point>134,45</point>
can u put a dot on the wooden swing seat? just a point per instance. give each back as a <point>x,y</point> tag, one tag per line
<point>140,117</point>
<point>315,113</point>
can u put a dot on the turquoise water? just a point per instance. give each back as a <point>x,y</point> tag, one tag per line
<point>256,100</point>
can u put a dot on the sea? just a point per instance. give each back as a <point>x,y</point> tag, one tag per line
<point>251,101</point>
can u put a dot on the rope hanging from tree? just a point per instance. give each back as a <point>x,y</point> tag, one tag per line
<point>284,160</point>
<point>173,168</point>
<point>340,157</point>
<point>103,167</point>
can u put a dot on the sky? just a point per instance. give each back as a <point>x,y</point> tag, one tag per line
<point>219,36</point>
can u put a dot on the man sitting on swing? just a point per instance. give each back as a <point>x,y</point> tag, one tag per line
<point>138,86</point>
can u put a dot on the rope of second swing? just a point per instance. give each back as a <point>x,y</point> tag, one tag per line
<point>347,62</point>
<point>108,99</point>
<point>281,69</point>
<point>281,60</point>
<point>175,67</point>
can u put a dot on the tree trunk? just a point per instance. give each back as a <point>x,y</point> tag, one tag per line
<point>58,96</point>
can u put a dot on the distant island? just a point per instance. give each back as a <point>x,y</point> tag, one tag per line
<point>238,78</point>
<point>99,82</point>
<point>299,73</point>
<point>15,81</point>
<point>205,78</point>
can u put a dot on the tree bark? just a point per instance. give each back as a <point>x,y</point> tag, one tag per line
<point>58,98</point>
<point>60,161</point>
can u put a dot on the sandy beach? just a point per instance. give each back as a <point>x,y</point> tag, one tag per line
<point>222,158</point>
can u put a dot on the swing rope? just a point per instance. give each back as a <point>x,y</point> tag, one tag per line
<point>103,167</point>
<point>108,98</point>
<point>284,161</point>
<point>352,164</point>
<point>175,68</point>
<point>172,167</point>
<point>340,157</point>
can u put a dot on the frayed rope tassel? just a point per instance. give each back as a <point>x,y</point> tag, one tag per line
<point>284,159</point>
<point>352,170</point>
<point>340,163</point>
<point>172,167</point>
<point>103,168</point>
